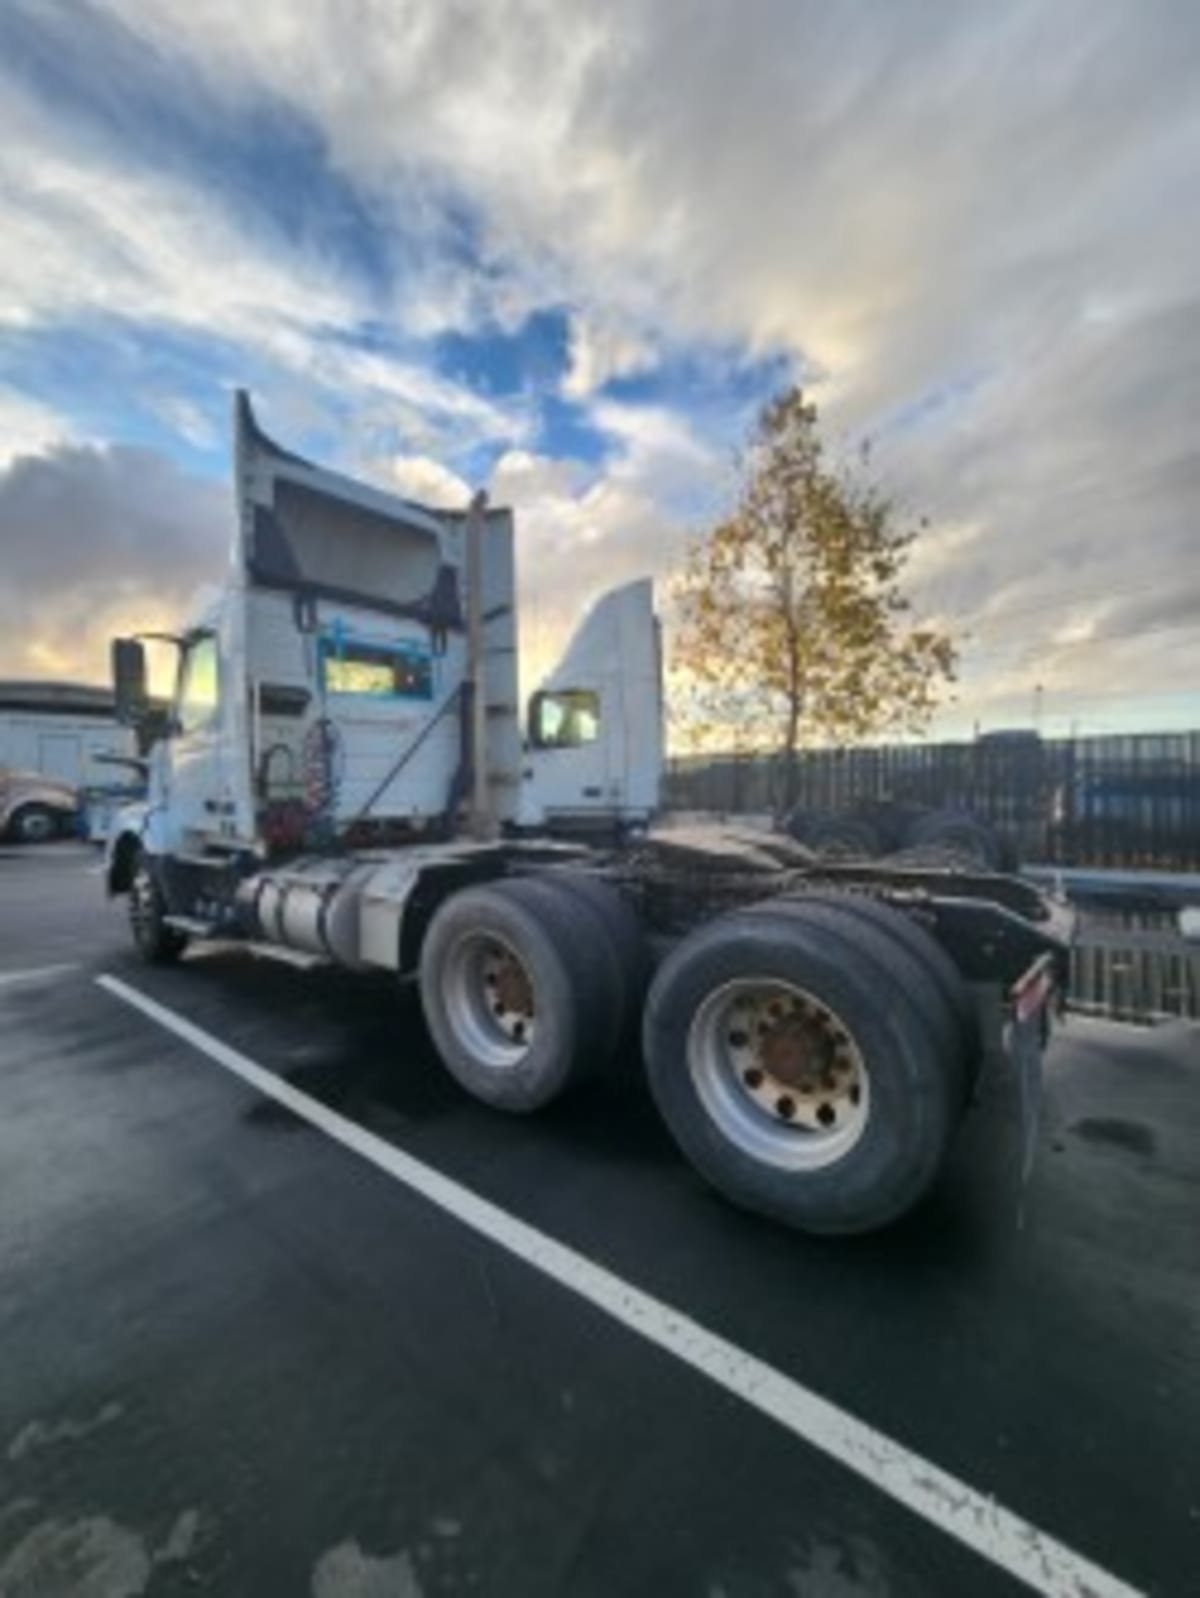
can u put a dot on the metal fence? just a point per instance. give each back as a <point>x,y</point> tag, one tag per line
<point>1130,801</point>
<point>1135,974</point>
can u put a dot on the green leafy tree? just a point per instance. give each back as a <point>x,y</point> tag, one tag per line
<point>791,626</point>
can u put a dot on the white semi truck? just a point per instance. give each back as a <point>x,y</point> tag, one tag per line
<point>346,777</point>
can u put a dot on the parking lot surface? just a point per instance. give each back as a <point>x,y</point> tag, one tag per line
<point>236,1357</point>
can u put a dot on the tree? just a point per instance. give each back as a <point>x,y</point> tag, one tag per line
<point>789,614</point>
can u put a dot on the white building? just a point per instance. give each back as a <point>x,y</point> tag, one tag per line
<point>59,729</point>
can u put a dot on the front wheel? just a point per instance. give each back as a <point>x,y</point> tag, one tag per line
<point>155,941</point>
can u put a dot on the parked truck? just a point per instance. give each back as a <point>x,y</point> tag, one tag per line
<point>346,778</point>
<point>35,808</point>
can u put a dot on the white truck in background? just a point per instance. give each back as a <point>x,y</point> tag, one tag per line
<point>347,778</point>
<point>56,739</point>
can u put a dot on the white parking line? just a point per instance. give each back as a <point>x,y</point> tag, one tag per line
<point>37,973</point>
<point>984,1526</point>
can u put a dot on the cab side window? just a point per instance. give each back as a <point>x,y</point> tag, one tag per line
<point>198,685</point>
<point>565,719</point>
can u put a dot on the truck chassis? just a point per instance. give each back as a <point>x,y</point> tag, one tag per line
<point>812,1032</point>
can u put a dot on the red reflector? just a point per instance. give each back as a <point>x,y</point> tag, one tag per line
<point>1033,993</point>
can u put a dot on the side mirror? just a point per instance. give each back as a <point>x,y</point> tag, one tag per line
<point>129,681</point>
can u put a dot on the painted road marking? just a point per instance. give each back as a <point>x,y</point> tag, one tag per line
<point>983,1525</point>
<point>37,973</point>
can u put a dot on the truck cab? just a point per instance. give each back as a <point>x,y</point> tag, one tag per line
<point>327,694</point>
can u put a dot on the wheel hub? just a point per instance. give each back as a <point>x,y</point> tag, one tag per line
<point>490,1001</point>
<point>779,1073</point>
<point>510,993</point>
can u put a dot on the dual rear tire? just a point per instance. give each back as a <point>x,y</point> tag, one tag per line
<point>810,1056</point>
<point>531,985</point>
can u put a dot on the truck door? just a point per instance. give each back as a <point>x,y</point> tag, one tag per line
<point>594,733</point>
<point>196,800</point>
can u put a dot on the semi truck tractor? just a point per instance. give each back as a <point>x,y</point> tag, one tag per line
<point>346,777</point>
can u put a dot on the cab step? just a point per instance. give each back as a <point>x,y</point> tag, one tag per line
<point>194,926</point>
<point>299,958</point>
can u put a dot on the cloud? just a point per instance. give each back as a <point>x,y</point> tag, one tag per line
<point>428,482</point>
<point>976,236</point>
<point>97,236</point>
<point>94,541</point>
<point>26,427</point>
<point>185,418</point>
<point>582,529</point>
<point>600,353</point>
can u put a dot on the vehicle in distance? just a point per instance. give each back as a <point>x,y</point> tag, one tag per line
<point>35,808</point>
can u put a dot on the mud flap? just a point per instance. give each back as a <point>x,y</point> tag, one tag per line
<point>1027,1033</point>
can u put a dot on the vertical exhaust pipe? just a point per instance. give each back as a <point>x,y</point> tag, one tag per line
<point>481,822</point>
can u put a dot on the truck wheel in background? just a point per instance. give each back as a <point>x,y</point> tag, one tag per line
<point>795,1071</point>
<point>519,991</point>
<point>156,942</point>
<point>798,823</point>
<point>913,957</point>
<point>931,857</point>
<point>844,838</point>
<point>34,824</point>
<point>956,829</point>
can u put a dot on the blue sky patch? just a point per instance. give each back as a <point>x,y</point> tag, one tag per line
<point>533,359</point>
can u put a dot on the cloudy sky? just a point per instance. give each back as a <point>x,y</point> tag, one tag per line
<point>565,249</point>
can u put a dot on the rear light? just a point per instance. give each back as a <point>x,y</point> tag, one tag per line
<point>1035,989</point>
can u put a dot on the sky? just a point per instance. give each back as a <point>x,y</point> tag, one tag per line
<point>565,250</point>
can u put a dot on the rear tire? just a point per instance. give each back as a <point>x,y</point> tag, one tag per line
<point>520,1004</point>
<point>628,951</point>
<point>912,944</point>
<point>155,941</point>
<point>741,1096</point>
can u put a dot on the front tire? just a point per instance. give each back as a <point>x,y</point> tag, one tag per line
<point>796,1074</point>
<point>154,940</point>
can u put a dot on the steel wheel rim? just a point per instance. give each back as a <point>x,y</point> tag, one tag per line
<point>489,999</point>
<point>779,1074</point>
<point>36,828</point>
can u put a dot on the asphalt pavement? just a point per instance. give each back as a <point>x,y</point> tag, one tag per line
<point>238,1357</point>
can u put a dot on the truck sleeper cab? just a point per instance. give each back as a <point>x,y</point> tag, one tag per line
<point>344,780</point>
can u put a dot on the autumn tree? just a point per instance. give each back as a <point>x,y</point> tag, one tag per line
<point>791,626</point>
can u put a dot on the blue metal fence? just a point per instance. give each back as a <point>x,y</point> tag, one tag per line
<point>1131,801</point>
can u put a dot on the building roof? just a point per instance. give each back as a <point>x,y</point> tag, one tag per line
<point>57,698</point>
